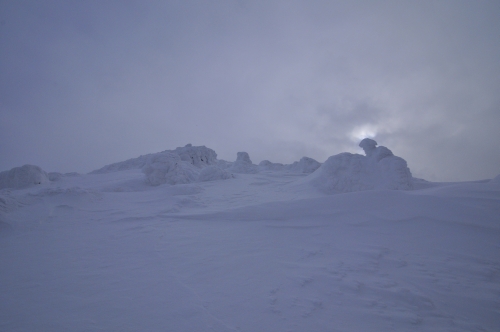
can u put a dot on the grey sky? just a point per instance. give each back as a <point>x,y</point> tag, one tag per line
<point>88,83</point>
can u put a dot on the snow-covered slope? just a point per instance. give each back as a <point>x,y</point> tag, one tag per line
<point>259,251</point>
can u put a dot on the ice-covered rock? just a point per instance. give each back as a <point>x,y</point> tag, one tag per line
<point>167,167</point>
<point>496,179</point>
<point>213,173</point>
<point>243,164</point>
<point>23,177</point>
<point>305,165</point>
<point>199,156</point>
<point>347,172</point>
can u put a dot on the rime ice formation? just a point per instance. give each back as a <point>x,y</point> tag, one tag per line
<point>167,167</point>
<point>243,164</point>
<point>347,172</point>
<point>183,165</point>
<point>199,156</point>
<point>23,177</point>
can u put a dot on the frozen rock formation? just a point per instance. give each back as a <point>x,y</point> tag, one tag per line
<point>23,177</point>
<point>167,167</point>
<point>347,172</point>
<point>199,156</point>
<point>496,179</point>
<point>243,164</point>
<point>183,165</point>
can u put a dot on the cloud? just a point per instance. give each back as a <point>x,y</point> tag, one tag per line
<point>83,85</point>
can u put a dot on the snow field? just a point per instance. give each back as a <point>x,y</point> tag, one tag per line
<point>181,241</point>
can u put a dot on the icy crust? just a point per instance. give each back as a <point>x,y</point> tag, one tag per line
<point>199,156</point>
<point>23,177</point>
<point>347,172</point>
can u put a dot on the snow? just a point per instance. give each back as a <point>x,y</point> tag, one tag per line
<point>243,164</point>
<point>304,165</point>
<point>23,177</point>
<point>199,156</point>
<point>213,173</point>
<point>347,172</point>
<point>167,167</point>
<point>258,251</point>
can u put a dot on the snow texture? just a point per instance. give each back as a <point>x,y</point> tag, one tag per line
<point>347,172</point>
<point>23,177</point>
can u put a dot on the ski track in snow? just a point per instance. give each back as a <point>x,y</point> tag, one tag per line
<point>260,252</point>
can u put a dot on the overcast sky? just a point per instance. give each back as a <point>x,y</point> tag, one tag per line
<point>87,83</point>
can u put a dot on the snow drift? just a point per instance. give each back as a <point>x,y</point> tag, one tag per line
<point>23,177</point>
<point>347,172</point>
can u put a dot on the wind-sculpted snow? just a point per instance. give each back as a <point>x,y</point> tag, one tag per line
<point>23,177</point>
<point>347,172</point>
